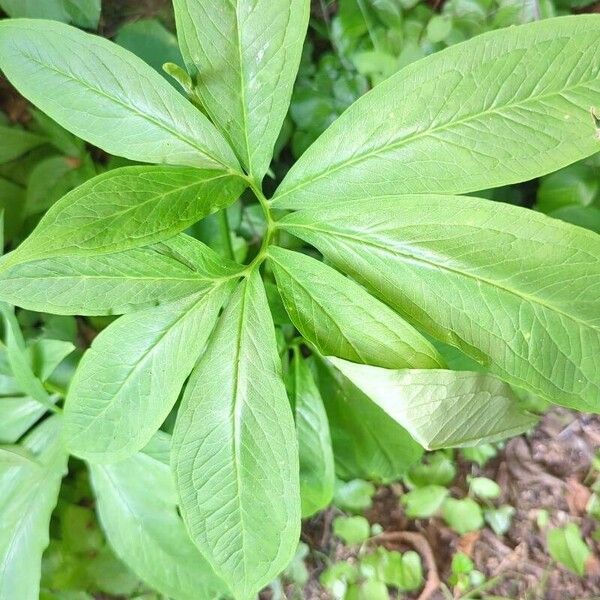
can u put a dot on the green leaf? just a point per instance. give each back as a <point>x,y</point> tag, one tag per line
<point>355,496</point>
<point>19,360</point>
<point>151,41</point>
<point>107,284</point>
<point>577,184</point>
<point>235,463</point>
<point>84,13</point>
<point>582,216</point>
<point>16,456</point>
<point>95,88</point>
<point>45,355</point>
<point>479,454</point>
<point>424,502</point>
<point>442,409</point>
<point>462,515</point>
<point>39,9</point>
<point>367,590</point>
<point>17,141</point>
<point>337,576</point>
<point>341,319</point>
<point>437,468</point>
<point>516,105</point>
<point>127,208</point>
<point>128,381</point>
<point>529,312</point>
<point>403,571</point>
<point>566,547</point>
<point>12,204</point>
<point>352,530</point>
<point>29,494</point>
<point>499,519</point>
<point>244,56</point>
<point>17,415</point>
<point>137,506</point>
<point>49,180</point>
<point>317,474</point>
<point>367,443</point>
<point>484,487</point>
<point>461,564</point>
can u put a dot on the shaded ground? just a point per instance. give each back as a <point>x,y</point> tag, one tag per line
<point>548,470</point>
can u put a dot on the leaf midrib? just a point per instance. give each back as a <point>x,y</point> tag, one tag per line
<point>366,241</point>
<point>427,132</point>
<point>237,419</point>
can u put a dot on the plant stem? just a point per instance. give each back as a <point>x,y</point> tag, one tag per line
<point>268,238</point>
<point>225,233</point>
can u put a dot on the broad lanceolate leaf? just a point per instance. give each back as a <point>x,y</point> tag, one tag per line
<point>442,409</point>
<point>128,208</point>
<point>107,284</point>
<point>503,107</point>
<point>137,505</point>
<point>341,319</point>
<point>244,56</point>
<point>107,96</point>
<point>234,453</point>
<point>130,378</point>
<point>367,443</point>
<point>29,494</point>
<point>511,288</point>
<point>317,474</point>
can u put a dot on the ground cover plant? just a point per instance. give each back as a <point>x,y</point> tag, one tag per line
<point>294,369</point>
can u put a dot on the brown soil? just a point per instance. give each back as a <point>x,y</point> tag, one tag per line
<point>545,471</point>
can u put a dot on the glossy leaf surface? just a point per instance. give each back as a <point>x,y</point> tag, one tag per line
<point>504,107</point>
<point>234,453</point>
<point>130,378</point>
<point>442,409</point>
<point>244,56</point>
<point>513,289</point>
<point>107,95</point>
<point>341,319</point>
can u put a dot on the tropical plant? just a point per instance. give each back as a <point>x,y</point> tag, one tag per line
<point>408,260</point>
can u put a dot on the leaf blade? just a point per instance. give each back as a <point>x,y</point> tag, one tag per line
<point>245,54</point>
<point>253,477</point>
<point>127,208</point>
<point>341,319</point>
<point>38,56</point>
<point>117,283</point>
<point>442,409</point>
<point>29,495</point>
<point>136,503</point>
<point>317,472</point>
<point>130,378</point>
<point>442,270</point>
<point>515,106</point>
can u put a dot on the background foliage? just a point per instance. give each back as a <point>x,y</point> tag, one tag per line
<point>353,45</point>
